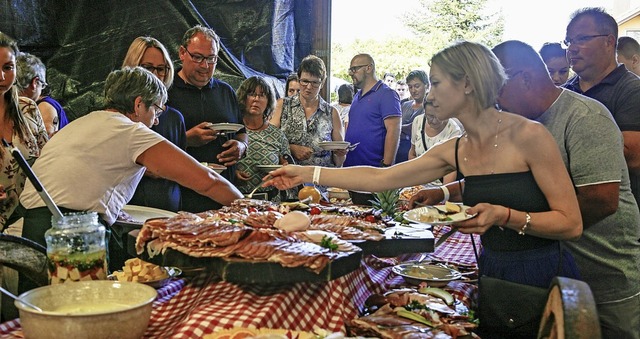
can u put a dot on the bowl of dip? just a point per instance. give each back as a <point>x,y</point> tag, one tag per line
<point>87,309</point>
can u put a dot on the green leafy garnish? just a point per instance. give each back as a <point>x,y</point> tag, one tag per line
<point>327,243</point>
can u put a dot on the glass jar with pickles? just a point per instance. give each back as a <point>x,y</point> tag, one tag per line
<point>76,248</point>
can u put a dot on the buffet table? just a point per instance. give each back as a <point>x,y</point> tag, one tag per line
<point>202,304</point>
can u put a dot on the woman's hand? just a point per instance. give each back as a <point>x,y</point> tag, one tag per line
<point>428,196</point>
<point>300,152</point>
<point>487,215</point>
<point>200,135</point>
<point>242,175</point>
<point>340,152</point>
<point>286,177</point>
<point>233,153</point>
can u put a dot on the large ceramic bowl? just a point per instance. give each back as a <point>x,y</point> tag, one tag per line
<point>87,309</point>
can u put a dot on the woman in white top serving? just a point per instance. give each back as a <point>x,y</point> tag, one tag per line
<point>96,162</point>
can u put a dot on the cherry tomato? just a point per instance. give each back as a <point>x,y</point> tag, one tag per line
<point>370,218</point>
<point>315,210</point>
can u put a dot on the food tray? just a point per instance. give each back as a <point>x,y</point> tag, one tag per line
<point>243,271</point>
<point>399,240</point>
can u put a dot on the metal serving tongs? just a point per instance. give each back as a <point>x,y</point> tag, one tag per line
<point>34,180</point>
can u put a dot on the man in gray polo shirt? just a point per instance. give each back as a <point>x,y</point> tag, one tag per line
<point>608,253</point>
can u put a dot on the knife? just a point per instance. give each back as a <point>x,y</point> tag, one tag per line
<point>446,236</point>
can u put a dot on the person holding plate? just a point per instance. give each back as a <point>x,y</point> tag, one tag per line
<point>307,119</point>
<point>267,143</point>
<point>515,181</point>
<point>203,101</point>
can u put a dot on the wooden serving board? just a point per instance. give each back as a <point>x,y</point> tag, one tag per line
<point>243,271</point>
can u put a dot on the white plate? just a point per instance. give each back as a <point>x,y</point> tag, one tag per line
<point>268,168</point>
<point>225,127</point>
<point>216,167</point>
<point>334,145</point>
<point>433,275</point>
<point>140,214</point>
<point>421,215</point>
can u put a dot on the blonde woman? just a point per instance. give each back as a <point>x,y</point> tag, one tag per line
<point>515,180</point>
<point>151,55</point>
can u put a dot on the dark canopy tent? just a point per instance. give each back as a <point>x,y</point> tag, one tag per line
<point>81,41</point>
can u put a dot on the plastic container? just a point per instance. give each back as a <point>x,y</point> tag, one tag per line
<point>76,248</point>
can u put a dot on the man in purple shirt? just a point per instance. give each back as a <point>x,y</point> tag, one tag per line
<point>374,120</point>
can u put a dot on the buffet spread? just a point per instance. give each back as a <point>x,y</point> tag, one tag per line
<point>256,241</point>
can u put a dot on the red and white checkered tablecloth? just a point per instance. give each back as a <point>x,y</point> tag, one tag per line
<point>204,304</point>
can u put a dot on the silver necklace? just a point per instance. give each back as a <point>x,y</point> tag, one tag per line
<point>495,145</point>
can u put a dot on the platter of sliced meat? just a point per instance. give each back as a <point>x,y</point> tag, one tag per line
<point>254,241</point>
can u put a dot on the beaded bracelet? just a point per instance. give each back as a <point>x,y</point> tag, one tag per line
<point>526,224</point>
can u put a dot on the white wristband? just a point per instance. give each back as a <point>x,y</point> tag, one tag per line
<point>316,175</point>
<point>445,190</point>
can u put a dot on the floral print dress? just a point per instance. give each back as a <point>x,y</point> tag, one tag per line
<point>308,132</point>
<point>12,177</point>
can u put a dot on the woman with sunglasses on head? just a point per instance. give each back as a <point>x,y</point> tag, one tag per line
<point>307,119</point>
<point>151,55</point>
<point>267,143</point>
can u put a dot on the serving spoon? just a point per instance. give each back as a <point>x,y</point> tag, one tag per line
<point>14,297</point>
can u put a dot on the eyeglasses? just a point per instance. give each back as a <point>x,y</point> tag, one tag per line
<point>44,84</point>
<point>159,70</point>
<point>354,69</point>
<point>199,58</point>
<point>579,41</point>
<point>257,95</point>
<point>305,82</point>
<point>157,110</point>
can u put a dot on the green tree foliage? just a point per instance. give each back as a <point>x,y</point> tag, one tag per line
<point>444,21</point>
<point>431,27</point>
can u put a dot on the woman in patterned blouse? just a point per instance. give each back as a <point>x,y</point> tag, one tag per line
<point>21,126</point>
<point>306,119</point>
<point>267,143</point>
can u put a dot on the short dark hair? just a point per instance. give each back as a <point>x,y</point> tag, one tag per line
<point>345,93</point>
<point>249,86</point>
<point>208,32</point>
<point>420,75</point>
<point>605,23</point>
<point>628,46</point>
<point>552,50</point>
<point>314,66</point>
